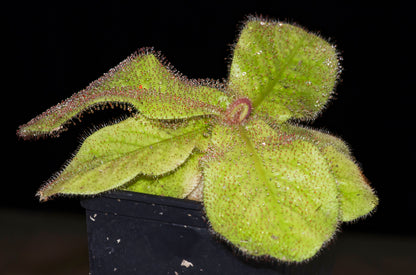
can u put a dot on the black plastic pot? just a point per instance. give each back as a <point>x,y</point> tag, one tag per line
<point>133,233</point>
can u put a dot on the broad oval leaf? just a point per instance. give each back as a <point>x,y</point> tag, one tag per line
<point>270,194</point>
<point>114,155</point>
<point>143,82</point>
<point>285,71</point>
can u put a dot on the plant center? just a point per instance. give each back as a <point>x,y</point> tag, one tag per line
<point>238,111</point>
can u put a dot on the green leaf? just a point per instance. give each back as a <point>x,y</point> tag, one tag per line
<point>270,194</point>
<point>357,198</point>
<point>285,71</point>
<point>143,82</point>
<point>116,154</point>
<point>178,183</point>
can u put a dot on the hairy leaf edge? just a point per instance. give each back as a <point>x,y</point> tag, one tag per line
<point>266,19</point>
<point>27,134</point>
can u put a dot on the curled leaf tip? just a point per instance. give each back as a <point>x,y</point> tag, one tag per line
<point>238,111</point>
<point>41,196</point>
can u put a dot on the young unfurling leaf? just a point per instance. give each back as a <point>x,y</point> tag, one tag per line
<point>269,186</point>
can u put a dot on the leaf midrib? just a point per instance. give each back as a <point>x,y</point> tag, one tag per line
<point>269,89</point>
<point>262,172</point>
<point>136,150</point>
<point>258,164</point>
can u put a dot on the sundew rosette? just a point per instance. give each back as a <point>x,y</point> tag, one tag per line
<point>270,186</point>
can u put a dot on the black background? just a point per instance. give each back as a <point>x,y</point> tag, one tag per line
<point>54,50</point>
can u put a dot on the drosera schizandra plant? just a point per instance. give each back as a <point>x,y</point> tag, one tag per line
<point>268,185</point>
